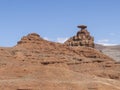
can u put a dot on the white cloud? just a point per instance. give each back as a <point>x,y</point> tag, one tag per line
<point>46,38</point>
<point>108,44</point>
<point>61,40</point>
<point>105,42</point>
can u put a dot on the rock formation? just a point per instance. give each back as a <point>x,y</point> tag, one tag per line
<point>37,64</point>
<point>82,38</point>
<point>30,38</point>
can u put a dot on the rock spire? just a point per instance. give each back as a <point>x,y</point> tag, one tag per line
<point>82,38</point>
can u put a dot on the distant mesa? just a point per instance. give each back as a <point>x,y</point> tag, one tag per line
<point>82,38</point>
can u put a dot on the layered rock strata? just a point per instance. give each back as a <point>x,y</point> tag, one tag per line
<point>82,38</point>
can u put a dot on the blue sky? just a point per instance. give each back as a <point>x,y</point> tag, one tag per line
<point>56,20</point>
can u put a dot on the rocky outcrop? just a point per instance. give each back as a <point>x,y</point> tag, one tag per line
<point>37,64</point>
<point>30,38</point>
<point>82,38</point>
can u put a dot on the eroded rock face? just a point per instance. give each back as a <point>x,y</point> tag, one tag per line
<point>30,38</point>
<point>82,38</point>
<point>37,64</point>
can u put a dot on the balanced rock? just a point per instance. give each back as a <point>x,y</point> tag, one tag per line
<point>83,38</point>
